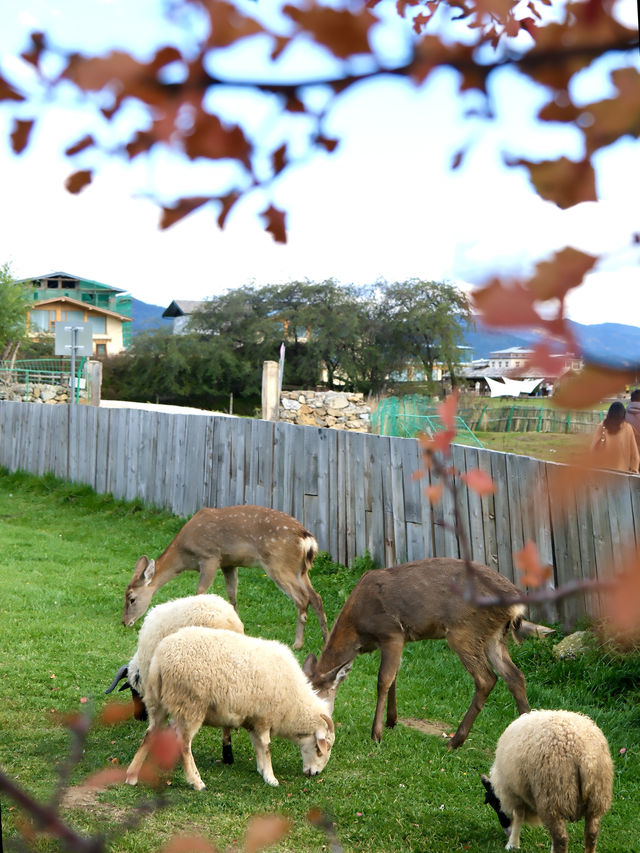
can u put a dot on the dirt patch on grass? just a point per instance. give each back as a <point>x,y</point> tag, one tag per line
<point>86,799</point>
<point>427,727</point>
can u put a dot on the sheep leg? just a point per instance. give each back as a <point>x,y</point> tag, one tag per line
<point>500,660</point>
<point>231,585</point>
<point>188,764</point>
<point>208,569</point>
<point>390,657</point>
<point>261,745</point>
<point>513,842</point>
<point>591,829</point>
<point>484,679</point>
<point>133,770</point>
<point>559,835</point>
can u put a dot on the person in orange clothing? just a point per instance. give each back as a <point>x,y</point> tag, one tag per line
<point>614,443</point>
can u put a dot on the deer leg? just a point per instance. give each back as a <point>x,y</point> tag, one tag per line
<point>316,603</point>
<point>500,660</point>
<point>208,569</point>
<point>231,585</point>
<point>390,657</point>
<point>392,708</point>
<point>591,829</point>
<point>484,679</point>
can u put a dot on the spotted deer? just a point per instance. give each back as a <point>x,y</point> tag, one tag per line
<point>226,538</point>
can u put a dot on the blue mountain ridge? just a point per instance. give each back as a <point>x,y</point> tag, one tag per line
<point>608,344</point>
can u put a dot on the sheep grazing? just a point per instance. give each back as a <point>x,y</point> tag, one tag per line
<point>200,675</point>
<point>550,767</point>
<point>210,611</point>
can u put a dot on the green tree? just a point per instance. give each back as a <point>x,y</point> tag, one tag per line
<point>14,299</point>
<point>426,323</point>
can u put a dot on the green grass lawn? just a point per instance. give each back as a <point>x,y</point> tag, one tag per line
<point>549,446</point>
<point>67,555</point>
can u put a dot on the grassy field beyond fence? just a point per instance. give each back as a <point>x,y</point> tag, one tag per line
<point>67,555</point>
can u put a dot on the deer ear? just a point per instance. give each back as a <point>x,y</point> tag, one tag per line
<point>309,665</point>
<point>340,675</point>
<point>149,572</point>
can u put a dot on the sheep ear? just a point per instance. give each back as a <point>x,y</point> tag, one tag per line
<point>321,743</point>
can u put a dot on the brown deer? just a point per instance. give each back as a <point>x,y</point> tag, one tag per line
<point>226,538</point>
<point>423,600</point>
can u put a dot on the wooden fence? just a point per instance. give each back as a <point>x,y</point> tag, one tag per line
<point>355,492</point>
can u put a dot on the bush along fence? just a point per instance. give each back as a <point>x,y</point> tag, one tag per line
<point>354,491</point>
<point>412,414</point>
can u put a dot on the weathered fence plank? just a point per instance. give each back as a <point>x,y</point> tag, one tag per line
<point>354,492</point>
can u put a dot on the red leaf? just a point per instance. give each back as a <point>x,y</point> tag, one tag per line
<point>185,206</point>
<point>86,142</point>
<point>591,385</point>
<point>78,181</point>
<point>213,139</point>
<point>442,440</point>
<point>116,712</point>
<point>527,562</point>
<point>165,747</point>
<point>8,93</point>
<point>342,32</point>
<point>506,306</point>
<point>566,269</point>
<point>20,134</point>
<point>228,202</point>
<point>103,778</point>
<point>562,181</point>
<point>189,844</point>
<point>448,409</point>
<point>275,220</point>
<point>265,830</point>
<point>434,493</point>
<point>479,481</point>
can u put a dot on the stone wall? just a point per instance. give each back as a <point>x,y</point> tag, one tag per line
<point>37,392</point>
<point>334,409</point>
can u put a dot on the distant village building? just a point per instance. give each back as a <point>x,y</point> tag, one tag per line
<point>59,296</point>
<point>508,372</point>
<point>180,311</point>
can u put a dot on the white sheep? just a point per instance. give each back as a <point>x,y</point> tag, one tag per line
<point>200,675</point>
<point>210,611</point>
<point>550,767</point>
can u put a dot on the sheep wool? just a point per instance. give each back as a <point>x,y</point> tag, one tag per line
<point>210,611</point>
<point>551,767</point>
<point>227,679</point>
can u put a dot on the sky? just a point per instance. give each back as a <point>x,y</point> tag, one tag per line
<point>384,206</point>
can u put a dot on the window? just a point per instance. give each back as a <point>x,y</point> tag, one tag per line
<point>43,321</point>
<point>76,317</point>
<point>98,325</point>
<point>101,349</point>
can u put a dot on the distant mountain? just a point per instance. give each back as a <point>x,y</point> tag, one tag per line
<point>605,343</point>
<point>146,316</point>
